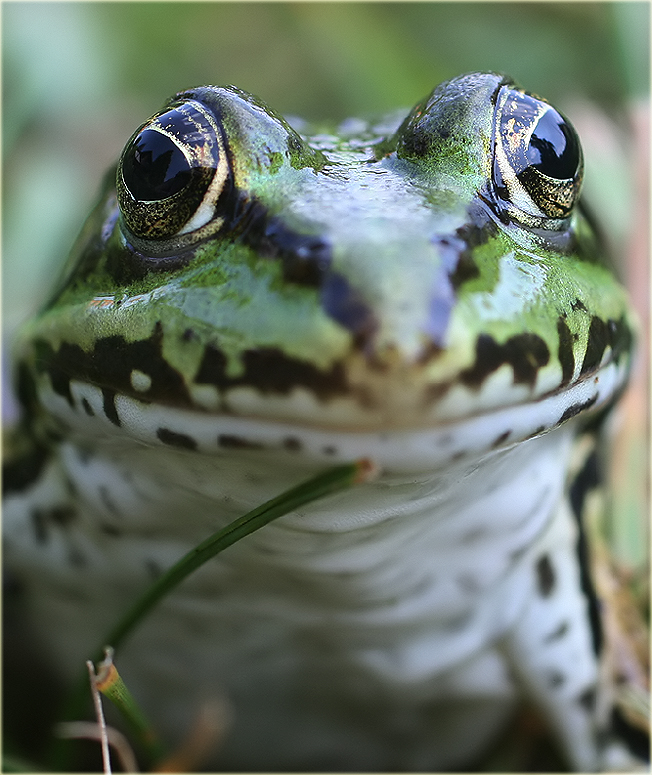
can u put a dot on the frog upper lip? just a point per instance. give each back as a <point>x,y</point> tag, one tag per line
<point>396,440</point>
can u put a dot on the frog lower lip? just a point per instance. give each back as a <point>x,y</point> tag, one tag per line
<point>404,447</point>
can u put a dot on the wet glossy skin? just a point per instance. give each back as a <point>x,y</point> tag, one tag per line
<point>388,279</point>
<point>246,305</point>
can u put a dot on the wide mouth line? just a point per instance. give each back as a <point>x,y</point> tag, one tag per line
<point>120,417</point>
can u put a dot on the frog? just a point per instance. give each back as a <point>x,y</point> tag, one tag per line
<point>250,303</point>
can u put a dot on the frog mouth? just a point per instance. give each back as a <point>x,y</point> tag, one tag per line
<point>355,393</point>
<point>109,414</point>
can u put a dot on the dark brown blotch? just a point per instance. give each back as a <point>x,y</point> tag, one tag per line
<point>109,366</point>
<point>526,353</point>
<point>174,439</point>
<point>557,633</point>
<point>271,371</point>
<point>20,472</point>
<point>502,439</point>
<point>565,352</point>
<point>229,441</point>
<point>545,576</point>
<point>575,409</point>
<point>615,334</point>
<point>108,404</point>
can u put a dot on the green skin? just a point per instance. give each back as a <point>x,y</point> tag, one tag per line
<point>417,295</point>
<point>381,206</point>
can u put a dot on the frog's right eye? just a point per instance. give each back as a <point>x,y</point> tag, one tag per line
<point>172,172</point>
<point>537,170</point>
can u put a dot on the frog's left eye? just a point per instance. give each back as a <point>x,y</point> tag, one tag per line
<point>537,166</point>
<point>172,173</point>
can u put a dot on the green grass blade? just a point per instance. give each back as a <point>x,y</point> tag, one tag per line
<point>109,682</point>
<point>327,483</point>
<point>330,481</point>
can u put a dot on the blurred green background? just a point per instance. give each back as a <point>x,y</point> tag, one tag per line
<point>78,78</point>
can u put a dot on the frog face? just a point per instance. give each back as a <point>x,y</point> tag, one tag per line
<point>380,280</point>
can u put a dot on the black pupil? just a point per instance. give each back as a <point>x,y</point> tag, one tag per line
<point>154,167</point>
<point>554,149</point>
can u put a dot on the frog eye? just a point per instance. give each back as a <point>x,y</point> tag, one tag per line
<point>172,173</point>
<point>537,158</point>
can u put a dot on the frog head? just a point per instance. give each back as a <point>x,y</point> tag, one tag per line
<point>379,280</point>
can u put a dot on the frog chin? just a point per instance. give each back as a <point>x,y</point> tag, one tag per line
<point>259,427</point>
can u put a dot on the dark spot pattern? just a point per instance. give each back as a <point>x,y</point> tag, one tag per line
<point>270,371</point>
<point>19,473</point>
<point>557,633</point>
<point>556,679</point>
<point>108,404</point>
<point>174,439</point>
<point>87,407</point>
<point>109,365</point>
<point>61,381</point>
<point>26,388</point>
<point>596,345</point>
<point>525,353</point>
<point>588,699</point>
<point>457,258</point>
<point>228,441</point>
<point>346,305</point>
<point>305,257</point>
<point>42,518</point>
<point>587,479</point>
<point>478,231</point>
<point>61,515</point>
<point>502,438</point>
<point>545,576</point>
<point>603,334</point>
<point>565,352</point>
<point>292,443</point>
<point>575,409</point>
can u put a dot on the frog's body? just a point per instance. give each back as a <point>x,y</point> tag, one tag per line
<point>431,299</point>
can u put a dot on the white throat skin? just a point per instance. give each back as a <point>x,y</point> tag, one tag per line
<point>378,599</point>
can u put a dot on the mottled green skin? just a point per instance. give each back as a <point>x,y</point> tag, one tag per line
<point>388,208</point>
